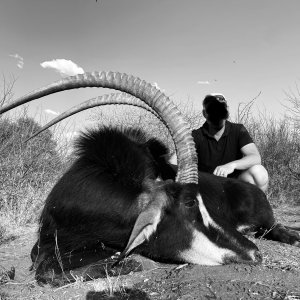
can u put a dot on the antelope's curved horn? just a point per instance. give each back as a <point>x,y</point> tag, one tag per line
<point>179,128</point>
<point>108,99</point>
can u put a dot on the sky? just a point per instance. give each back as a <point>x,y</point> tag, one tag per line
<point>188,48</point>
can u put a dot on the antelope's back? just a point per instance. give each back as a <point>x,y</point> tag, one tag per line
<point>107,176</point>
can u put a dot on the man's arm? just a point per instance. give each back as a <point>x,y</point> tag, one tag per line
<point>251,158</point>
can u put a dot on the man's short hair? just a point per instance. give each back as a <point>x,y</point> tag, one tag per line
<point>214,96</point>
<point>215,106</point>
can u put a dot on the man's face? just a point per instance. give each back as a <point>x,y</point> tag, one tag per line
<point>216,113</point>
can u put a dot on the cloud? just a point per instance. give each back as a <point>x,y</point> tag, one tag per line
<point>63,66</point>
<point>51,112</point>
<point>203,82</point>
<point>20,60</point>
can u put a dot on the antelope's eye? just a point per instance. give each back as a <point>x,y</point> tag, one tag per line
<point>190,203</point>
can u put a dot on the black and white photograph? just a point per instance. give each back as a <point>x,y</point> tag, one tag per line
<point>149,150</point>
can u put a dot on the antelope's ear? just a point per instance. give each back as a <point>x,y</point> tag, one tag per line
<point>146,223</point>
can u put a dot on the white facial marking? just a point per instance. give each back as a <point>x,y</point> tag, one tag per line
<point>207,220</point>
<point>252,254</point>
<point>242,228</point>
<point>205,252</point>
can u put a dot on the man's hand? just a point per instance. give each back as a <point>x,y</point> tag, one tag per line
<point>224,170</point>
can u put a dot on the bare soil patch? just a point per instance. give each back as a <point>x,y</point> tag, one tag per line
<point>278,277</point>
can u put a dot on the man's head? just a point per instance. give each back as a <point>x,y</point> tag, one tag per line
<point>215,110</point>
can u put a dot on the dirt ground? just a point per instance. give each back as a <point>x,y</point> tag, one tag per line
<point>278,277</point>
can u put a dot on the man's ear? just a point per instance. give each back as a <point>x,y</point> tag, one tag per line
<point>204,113</point>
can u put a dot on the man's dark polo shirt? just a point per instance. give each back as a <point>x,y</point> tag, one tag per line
<point>212,153</point>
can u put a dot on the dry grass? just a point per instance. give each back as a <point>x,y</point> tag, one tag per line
<point>28,171</point>
<point>279,145</point>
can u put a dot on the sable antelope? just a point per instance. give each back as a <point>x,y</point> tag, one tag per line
<point>111,195</point>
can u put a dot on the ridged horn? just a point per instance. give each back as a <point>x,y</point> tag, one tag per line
<point>108,99</point>
<point>161,104</point>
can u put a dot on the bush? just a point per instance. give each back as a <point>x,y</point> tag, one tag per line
<point>279,145</point>
<point>27,170</point>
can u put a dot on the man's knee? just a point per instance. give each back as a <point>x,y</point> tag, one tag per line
<point>257,175</point>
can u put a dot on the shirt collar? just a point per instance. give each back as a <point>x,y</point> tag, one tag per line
<point>225,133</point>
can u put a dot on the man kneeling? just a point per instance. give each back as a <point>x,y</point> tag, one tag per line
<point>225,148</point>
